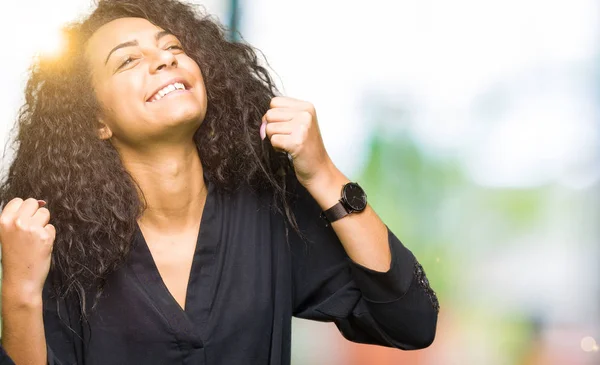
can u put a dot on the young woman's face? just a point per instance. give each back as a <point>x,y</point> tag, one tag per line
<point>149,89</point>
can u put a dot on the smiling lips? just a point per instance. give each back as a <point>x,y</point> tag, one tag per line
<point>175,86</point>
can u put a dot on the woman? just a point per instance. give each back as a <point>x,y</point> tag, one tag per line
<point>186,212</point>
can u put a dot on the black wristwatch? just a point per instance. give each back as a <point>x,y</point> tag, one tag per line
<point>354,199</point>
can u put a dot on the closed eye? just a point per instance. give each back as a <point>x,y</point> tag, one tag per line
<point>127,61</point>
<point>175,47</point>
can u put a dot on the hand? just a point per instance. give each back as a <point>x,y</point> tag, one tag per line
<point>27,241</point>
<point>292,126</point>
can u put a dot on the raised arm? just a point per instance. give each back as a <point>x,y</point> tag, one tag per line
<point>27,241</point>
<point>355,272</point>
<point>394,308</point>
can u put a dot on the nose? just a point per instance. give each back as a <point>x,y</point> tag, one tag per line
<point>163,60</point>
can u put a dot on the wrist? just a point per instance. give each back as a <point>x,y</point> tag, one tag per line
<point>326,186</point>
<point>20,296</point>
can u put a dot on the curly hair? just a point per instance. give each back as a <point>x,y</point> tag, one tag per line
<point>93,199</point>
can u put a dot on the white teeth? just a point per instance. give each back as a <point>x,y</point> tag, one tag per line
<point>167,89</point>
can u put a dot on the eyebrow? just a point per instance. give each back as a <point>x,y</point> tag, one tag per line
<point>134,43</point>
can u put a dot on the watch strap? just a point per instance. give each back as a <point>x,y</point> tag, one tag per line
<point>335,213</point>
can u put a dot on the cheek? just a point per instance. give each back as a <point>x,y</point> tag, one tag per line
<point>192,67</point>
<point>119,100</point>
<point>194,70</point>
<point>201,86</point>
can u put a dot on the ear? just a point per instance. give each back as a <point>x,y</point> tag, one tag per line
<point>104,131</point>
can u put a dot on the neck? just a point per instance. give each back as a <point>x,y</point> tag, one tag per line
<point>172,182</point>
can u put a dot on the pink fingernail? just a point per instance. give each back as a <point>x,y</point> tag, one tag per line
<point>42,203</point>
<point>263,130</point>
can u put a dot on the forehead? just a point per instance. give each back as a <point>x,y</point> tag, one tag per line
<point>119,31</point>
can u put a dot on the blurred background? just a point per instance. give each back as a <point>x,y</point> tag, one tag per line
<point>474,127</point>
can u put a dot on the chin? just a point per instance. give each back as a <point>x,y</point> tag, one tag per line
<point>185,114</point>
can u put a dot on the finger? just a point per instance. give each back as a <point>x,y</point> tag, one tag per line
<point>285,102</point>
<point>279,128</point>
<point>51,232</point>
<point>41,217</point>
<point>28,208</point>
<point>291,103</point>
<point>12,207</point>
<point>280,115</point>
<point>282,142</point>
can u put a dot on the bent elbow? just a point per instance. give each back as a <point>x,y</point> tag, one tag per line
<point>422,332</point>
<point>424,336</point>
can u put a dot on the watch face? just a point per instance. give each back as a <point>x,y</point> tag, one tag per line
<point>355,197</point>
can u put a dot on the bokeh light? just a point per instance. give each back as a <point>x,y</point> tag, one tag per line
<point>50,44</point>
<point>588,344</point>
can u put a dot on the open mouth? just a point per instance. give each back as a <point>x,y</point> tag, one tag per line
<point>176,86</point>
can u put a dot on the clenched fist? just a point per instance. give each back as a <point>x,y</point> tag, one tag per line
<point>292,126</point>
<point>27,240</point>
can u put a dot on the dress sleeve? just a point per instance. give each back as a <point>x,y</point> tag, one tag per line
<point>396,308</point>
<point>63,329</point>
<point>4,358</point>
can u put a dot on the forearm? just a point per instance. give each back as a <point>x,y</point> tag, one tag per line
<point>393,306</point>
<point>23,327</point>
<point>363,235</point>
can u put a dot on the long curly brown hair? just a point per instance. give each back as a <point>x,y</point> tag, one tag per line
<point>93,200</point>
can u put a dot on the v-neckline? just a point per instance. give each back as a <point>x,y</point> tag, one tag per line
<point>184,321</point>
<point>156,270</point>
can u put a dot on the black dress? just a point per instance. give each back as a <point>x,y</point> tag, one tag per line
<point>245,285</point>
